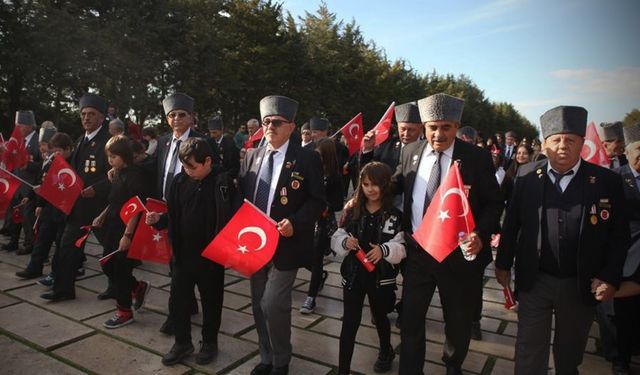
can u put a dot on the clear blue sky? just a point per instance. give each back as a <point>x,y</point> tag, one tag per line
<point>534,54</point>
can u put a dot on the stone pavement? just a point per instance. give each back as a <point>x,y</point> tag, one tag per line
<point>37,337</point>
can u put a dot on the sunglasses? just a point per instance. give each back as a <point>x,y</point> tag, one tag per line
<point>174,115</point>
<point>274,122</point>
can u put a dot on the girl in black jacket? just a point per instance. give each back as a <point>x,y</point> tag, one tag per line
<point>371,225</point>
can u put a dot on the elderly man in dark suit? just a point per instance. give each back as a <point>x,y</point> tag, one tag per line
<point>284,180</point>
<point>422,166</point>
<point>90,163</point>
<point>228,152</point>
<point>613,142</point>
<point>567,229</point>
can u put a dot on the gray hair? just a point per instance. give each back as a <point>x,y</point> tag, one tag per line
<point>469,132</point>
<point>118,124</point>
<point>254,121</point>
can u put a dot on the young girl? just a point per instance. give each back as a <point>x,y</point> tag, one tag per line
<point>333,190</point>
<point>127,181</point>
<point>373,225</point>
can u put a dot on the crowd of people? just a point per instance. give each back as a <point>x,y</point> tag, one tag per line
<point>570,231</point>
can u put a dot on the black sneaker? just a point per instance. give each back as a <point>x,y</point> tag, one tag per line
<point>207,353</point>
<point>476,332</point>
<point>177,354</point>
<point>47,281</point>
<point>80,273</point>
<point>262,369</point>
<point>28,273</point>
<point>384,361</point>
<point>11,246</point>
<point>139,294</point>
<point>119,319</point>
<point>168,327</point>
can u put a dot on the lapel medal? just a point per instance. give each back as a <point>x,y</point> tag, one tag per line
<point>592,179</point>
<point>288,165</point>
<point>284,200</point>
<point>295,184</point>
<point>593,209</point>
<point>604,214</point>
<point>539,172</point>
<point>594,219</point>
<point>415,160</point>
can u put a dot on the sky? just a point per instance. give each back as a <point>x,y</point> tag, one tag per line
<point>533,54</point>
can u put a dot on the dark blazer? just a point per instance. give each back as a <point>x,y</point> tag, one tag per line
<point>388,153</point>
<point>31,171</point>
<point>630,185</point>
<point>90,162</point>
<point>162,152</point>
<point>485,199</point>
<point>602,247</point>
<point>302,182</point>
<point>229,155</point>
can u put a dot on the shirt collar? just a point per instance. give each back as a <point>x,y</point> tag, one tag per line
<point>27,139</point>
<point>448,152</point>
<point>634,172</point>
<point>91,135</point>
<point>281,150</point>
<point>574,169</point>
<point>183,137</point>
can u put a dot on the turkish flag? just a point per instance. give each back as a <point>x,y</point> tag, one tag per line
<point>62,186</point>
<point>148,243</point>
<point>447,219</point>
<point>383,126</point>
<point>255,137</point>
<point>246,243</point>
<point>593,150</point>
<point>15,155</point>
<point>353,131</point>
<point>131,208</point>
<point>8,187</point>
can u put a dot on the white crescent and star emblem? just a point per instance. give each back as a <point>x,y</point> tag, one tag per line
<point>133,207</point>
<point>259,232</point>
<point>69,172</point>
<point>592,148</point>
<point>443,215</point>
<point>157,237</point>
<point>356,125</point>
<point>4,182</point>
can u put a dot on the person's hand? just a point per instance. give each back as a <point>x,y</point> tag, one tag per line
<point>110,174</point>
<point>38,211</point>
<point>152,218</point>
<point>285,228</point>
<point>472,244</point>
<point>351,244</point>
<point>375,254</point>
<point>348,204</point>
<point>98,221</point>
<point>602,290</point>
<point>88,192</point>
<point>124,244</point>
<point>503,277</point>
<point>369,141</point>
<point>24,201</point>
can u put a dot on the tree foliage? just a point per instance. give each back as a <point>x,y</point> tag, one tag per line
<point>227,54</point>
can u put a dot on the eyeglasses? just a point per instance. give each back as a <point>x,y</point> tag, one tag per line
<point>174,115</point>
<point>274,122</point>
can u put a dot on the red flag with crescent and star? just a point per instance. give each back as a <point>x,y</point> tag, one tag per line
<point>447,219</point>
<point>246,243</point>
<point>8,187</point>
<point>131,208</point>
<point>353,133</point>
<point>593,151</point>
<point>15,155</point>
<point>62,186</point>
<point>383,127</point>
<point>149,243</point>
<point>255,137</point>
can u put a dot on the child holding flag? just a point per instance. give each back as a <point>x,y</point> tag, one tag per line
<point>371,224</point>
<point>127,182</point>
<point>199,205</point>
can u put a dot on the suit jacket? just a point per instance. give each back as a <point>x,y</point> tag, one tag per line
<point>89,160</point>
<point>630,184</point>
<point>301,181</point>
<point>229,155</point>
<point>388,153</point>
<point>162,152</point>
<point>604,229</point>
<point>485,199</point>
<point>31,171</point>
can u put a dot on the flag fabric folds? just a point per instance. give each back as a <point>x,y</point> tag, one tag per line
<point>353,133</point>
<point>593,151</point>
<point>148,243</point>
<point>62,186</point>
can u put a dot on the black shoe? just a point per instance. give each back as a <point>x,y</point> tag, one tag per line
<point>207,353</point>
<point>177,354</point>
<point>57,296</point>
<point>384,361</point>
<point>280,370</point>
<point>11,246</point>
<point>262,369</point>
<point>28,274</point>
<point>454,370</point>
<point>24,250</point>
<point>167,327</point>
<point>476,332</point>
<point>107,294</point>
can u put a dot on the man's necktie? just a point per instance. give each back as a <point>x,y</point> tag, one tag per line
<point>264,183</point>
<point>433,182</point>
<point>558,177</point>
<point>172,167</point>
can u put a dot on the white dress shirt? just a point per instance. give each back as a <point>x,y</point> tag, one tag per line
<point>278,162</point>
<point>567,178</point>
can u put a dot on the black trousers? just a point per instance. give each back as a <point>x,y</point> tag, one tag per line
<point>381,299</point>
<point>69,258</point>
<point>119,270</point>
<point>50,229</point>
<point>317,263</point>
<point>627,326</point>
<point>209,277</point>
<point>458,295</point>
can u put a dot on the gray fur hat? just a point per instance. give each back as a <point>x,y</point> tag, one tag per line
<point>93,101</point>
<point>408,112</point>
<point>564,120</point>
<point>215,123</point>
<point>278,105</point>
<point>25,118</point>
<point>612,131</point>
<point>318,123</point>
<point>178,100</point>
<point>632,133</point>
<point>46,134</point>
<point>441,107</point>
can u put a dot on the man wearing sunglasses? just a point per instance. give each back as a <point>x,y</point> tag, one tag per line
<point>285,181</point>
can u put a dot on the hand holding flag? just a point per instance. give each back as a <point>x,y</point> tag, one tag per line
<point>382,128</point>
<point>353,133</point>
<point>62,186</point>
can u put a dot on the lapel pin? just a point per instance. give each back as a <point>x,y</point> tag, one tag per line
<point>594,219</point>
<point>592,179</point>
<point>593,209</point>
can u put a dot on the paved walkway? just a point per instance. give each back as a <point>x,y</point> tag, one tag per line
<point>37,337</point>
